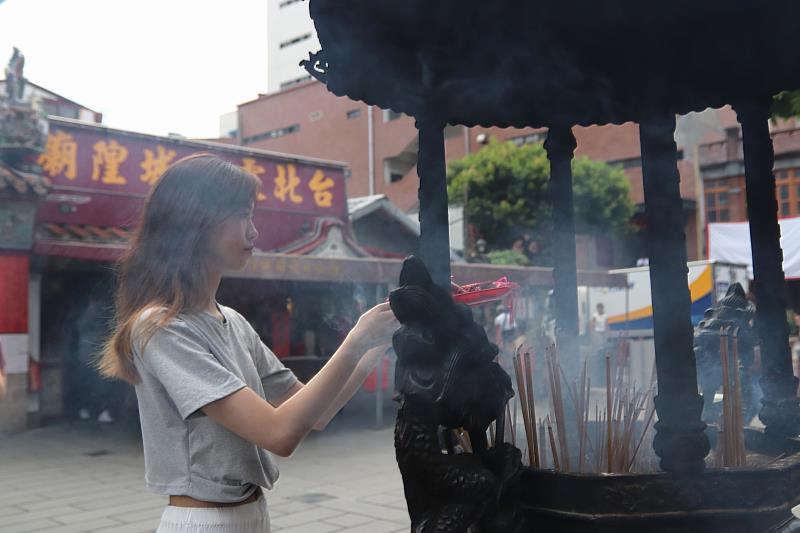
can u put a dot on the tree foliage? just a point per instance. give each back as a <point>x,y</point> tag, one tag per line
<point>786,104</point>
<point>506,192</point>
<point>507,257</point>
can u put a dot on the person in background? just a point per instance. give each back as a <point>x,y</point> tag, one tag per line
<point>2,374</point>
<point>91,393</point>
<point>518,245</point>
<point>479,254</point>
<point>599,324</point>
<point>505,330</point>
<point>532,251</point>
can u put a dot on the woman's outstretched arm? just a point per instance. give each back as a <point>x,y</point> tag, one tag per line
<point>280,429</point>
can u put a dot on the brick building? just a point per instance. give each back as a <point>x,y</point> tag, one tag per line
<point>722,169</point>
<point>380,146</point>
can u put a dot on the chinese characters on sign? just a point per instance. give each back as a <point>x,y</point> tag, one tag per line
<point>125,162</point>
<point>60,155</point>
<point>106,160</point>
<point>155,164</point>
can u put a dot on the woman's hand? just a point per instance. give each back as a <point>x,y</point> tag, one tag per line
<point>373,329</point>
<point>374,355</point>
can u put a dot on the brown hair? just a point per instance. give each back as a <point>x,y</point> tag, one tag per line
<point>164,266</point>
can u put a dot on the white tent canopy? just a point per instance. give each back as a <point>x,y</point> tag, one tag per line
<point>730,242</point>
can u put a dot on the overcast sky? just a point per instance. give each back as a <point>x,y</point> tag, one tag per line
<point>153,66</point>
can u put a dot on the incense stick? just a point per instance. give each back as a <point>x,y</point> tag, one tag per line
<point>727,416</point>
<point>542,451</point>
<point>531,401</point>
<point>558,406</point>
<point>609,393</point>
<point>737,403</point>
<point>524,405</point>
<point>556,464</point>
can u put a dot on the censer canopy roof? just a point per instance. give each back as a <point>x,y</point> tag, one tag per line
<point>544,62</point>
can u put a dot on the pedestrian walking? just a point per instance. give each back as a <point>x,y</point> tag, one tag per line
<point>215,403</point>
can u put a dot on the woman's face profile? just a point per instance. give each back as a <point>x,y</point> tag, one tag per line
<point>233,240</point>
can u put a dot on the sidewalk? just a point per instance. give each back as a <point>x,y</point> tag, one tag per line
<point>77,477</point>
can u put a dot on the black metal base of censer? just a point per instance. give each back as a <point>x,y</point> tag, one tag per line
<point>747,499</point>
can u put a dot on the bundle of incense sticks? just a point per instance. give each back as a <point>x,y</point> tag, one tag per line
<point>554,374</point>
<point>523,369</point>
<point>618,433</point>
<point>731,446</point>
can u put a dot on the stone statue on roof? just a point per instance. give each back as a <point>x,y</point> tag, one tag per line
<point>15,81</point>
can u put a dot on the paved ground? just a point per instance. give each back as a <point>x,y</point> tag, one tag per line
<point>77,477</point>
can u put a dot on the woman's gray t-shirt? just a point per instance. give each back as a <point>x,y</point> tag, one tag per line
<point>192,361</point>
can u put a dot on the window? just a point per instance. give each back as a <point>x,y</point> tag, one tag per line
<point>631,162</point>
<point>295,40</point>
<point>353,113</point>
<point>288,3</point>
<point>723,199</point>
<point>295,81</point>
<point>395,168</point>
<point>390,114</point>
<point>529,139</point>
<point>271,134</point>
<point>787,191</point>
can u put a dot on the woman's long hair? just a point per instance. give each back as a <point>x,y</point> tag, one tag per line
<point>164,267</point>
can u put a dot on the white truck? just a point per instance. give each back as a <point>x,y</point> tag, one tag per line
<point>630,309</point>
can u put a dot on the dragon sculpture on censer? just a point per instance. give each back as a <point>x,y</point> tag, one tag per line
<point>446,378</point>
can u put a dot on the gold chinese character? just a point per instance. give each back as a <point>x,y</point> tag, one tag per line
<point>155,164</point>
<point>250,165</point>
<point>321,184</point>
<point>60,153</point>
<point>108,156</point>
<point>284,184</point>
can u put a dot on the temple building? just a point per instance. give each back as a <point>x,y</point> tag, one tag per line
<point>380,147</point>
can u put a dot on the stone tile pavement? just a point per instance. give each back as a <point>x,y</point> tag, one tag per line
<point>84,477</point>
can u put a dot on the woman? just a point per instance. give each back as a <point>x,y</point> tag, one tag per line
<point>213,399</point>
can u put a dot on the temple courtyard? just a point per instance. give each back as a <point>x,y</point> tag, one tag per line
<point>89,477</point>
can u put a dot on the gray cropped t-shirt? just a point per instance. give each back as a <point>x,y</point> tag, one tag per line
<point>192,361</point>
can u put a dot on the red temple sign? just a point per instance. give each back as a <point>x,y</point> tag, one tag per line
<point>101,176</point>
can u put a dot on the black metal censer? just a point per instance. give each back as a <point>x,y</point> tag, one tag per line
<point>557,64</point>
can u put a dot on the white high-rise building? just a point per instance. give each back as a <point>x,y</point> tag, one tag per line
<point>290,37</point>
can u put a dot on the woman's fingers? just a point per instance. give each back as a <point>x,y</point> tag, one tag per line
<point>375,327</point>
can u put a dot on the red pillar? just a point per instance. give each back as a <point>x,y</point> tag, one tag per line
<point>14,278</point>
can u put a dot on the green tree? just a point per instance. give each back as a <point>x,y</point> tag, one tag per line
<point>506,191</point>
<point>786,104</point>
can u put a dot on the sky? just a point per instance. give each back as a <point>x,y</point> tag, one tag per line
<point>152,66</point>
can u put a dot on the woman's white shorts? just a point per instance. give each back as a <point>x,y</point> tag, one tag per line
<point>249,518</point>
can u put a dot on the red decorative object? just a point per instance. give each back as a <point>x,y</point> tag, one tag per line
<point>484,291</point>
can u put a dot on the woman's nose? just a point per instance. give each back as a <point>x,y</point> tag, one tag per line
<point>252,232</point>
